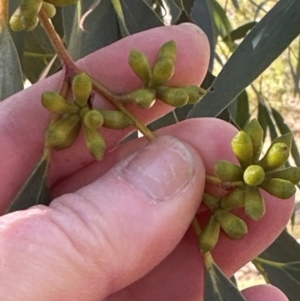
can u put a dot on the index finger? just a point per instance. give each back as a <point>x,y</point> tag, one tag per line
<point>23,120</point>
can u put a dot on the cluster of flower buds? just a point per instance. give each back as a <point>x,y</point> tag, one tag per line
<point>79,114</point>
<point>154,80</point>
<point>26,15</point>
<point>254,173</point>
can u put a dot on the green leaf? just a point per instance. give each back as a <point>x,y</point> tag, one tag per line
<point>11,80</point>
<point>240,32</point>
<point>270,36</point>
<point>139,16</point>
<point>34,190</point>
<point>280,264</point>
<point>222,22</point>
<point>164,121</point>
<point>283,128</point>
<point>239,110</point>
<point>95,26</point>
<point>119,11</point>
<point>217,287</point>
<point>201,14</point>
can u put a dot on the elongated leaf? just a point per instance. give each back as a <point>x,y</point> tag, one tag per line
<point>139,16</point>
<point>202,16</point>
<point>10,70</point>
<point>270,36</point>
<point>239,110</point>
<point>284,128</point>
<point>281,263</point>
<point>217,287</point>
<point>34,190</point>
<point>222,22</point>
<point>119,11</point>
<point>95,26</point>
<point>240,32</point>
<point>163,122</point>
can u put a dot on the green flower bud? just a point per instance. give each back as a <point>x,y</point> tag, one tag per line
<point>195,94</point>
<point>280,188</point>
<point>143,98</point>
<point>115,119</point>
<point>227,171</point>
<point>286,138</point>
<point>62,2</point>
<point>82,88</point>
<point>93,119</point>
<point>176,97</point>
<point>291,174</point>
<point>256,133</point>
<point>210,201</point>
<point>242,147</point>
<point>49,9</point>
<point>275,157</point>
<point>254,203</point>
<point>232,225</point>
<point>94,142</point>
<point>209,236</point>
<point>53,102</point>
<point>139,63</point>
<point>254,175</point>
<point>168,50</point>
<point>162,72</point>
<point>26,15</point>
<point>63,133</point>
<point>236,199</point>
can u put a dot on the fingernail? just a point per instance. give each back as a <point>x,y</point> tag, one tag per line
<point>161,169</point>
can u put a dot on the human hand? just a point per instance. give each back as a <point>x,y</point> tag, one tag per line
<point>118,228</point>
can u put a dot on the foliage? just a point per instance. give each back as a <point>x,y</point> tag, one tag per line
<point>252,46</point>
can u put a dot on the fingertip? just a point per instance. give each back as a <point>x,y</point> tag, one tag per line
<point>264,293</point>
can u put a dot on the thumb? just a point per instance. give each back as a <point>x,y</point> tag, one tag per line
<point>106,235</point>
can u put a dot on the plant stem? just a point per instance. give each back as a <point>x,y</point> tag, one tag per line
<point>116,101</point>
<point>57,44</point>
<point>71,69</point>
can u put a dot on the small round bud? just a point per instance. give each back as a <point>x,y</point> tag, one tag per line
<point>195,94</point>
<point>176,97</point>
<point>168,50</point>
<point>55,103</point>
<point>227,171</point>
<point>291,174</point>
<point>162,72</point>
<point>94,142</point>
<point>49,9</point>
<point>139,63</point>
<point>62,2</point>
<point>280,188</point>
<point>82,88</point>
<point>93,119</point>
<point>26,15</point>
<point>254,175</point>
<point>232,225</point>
<point>236,199</point>
<point>275,157</point>
<point>63,133</point>
<point>256,133</point>
<point>242,147</point>
<point>209,236</point>
<point>143,98</point>
<point>254,203</point>
<point>115,119</point>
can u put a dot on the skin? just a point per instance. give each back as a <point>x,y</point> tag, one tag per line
<point>118,229</point>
